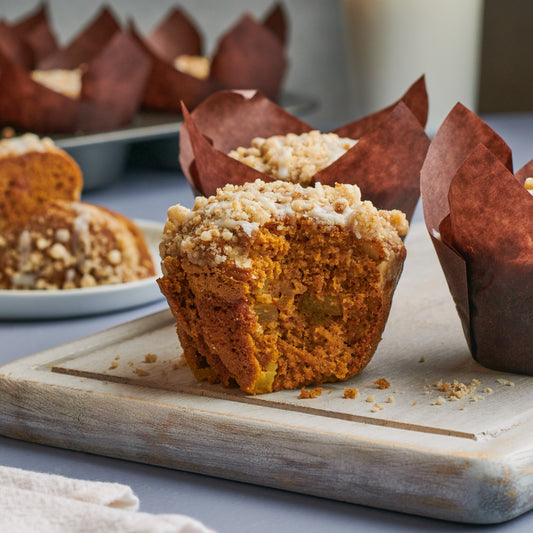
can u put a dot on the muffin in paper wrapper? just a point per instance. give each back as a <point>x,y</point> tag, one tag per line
<point>249,55</point>
<point>385,162</point>
<point>114,72</point>
<point>480,218</point>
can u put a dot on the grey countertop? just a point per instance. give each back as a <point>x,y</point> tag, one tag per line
<point>225,506</point>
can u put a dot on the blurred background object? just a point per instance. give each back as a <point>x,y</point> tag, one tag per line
<point>391,42</point>
<point>506,74</point>
<point>317,49</point>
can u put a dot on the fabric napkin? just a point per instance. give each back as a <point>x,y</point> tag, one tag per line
<point>33,502</point>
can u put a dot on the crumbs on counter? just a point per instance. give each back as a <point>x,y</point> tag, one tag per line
<point>141,372</point>
<point>113,365</point>
<point>456,390</point>
<point>150,358</point>
<point>350,393</point>
<point>310,393</point>
<point>382,383</point>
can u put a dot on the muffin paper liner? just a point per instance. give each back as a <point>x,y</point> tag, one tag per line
<point>113,82</point>
<point>385,163</point>
<point>250,55</point>
<point>13,47</point>
<point>166,86</point>
<point>36,32</point>
<point>86,45</point>
<point>480,219</point>
<point>176,34</point>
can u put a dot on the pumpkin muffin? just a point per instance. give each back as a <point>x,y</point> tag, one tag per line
<point>51,240</point>
<point>276,286</point>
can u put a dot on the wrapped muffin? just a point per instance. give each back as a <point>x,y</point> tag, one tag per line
<point>251,54</point>
<point>381,153</point>
<point>95,83</point>
<point>51,240</point>
<point>480,218</point>
<point>276,286</point>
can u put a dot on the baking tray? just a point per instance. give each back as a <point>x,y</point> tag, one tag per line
<point>151,138</point>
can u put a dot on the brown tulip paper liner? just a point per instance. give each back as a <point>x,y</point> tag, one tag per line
<point>112,87</point>
<point>480,219</point>
<point>276,21</point>
<point>385,163</point>
<point>250,55</point>
<point>36,32</point>
<point>166,86</point>
<point>86,45</point>
<point>14,47</point>
<point>175,35</point>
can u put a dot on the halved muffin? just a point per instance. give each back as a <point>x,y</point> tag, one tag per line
<point>276,286</point>
<point>51,240</point>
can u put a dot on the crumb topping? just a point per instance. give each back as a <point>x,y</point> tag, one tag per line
<point>90,248</point>
<point>196,66</point>
<point>220,228</point>
<point>66,82</point>
<point>291,157</point>
<point>24,144</point>
<point>528,184</point>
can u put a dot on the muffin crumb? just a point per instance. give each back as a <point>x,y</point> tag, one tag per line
<point>382,383</point>
<point>150,358</point>
<point>350,393</point>
<point>310,393</point>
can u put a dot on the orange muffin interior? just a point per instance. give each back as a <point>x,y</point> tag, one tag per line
<point>276,286</point>
<point>33,172</point>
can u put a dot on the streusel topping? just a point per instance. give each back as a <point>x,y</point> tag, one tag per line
<point>26,143</point>
<point>66,82</point>
<point>220,228</point>
<point>196,66</point>
<point>528,184</point>
<point>81,248</point>
<point>291,157</point>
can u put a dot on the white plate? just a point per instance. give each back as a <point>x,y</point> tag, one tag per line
<point>38,304</point>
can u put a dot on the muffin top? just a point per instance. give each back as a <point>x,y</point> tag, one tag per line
<point>24,144</point>
<point>291,157</point>
<point>66,82</point>
<point>196,66</point>
<point>528,184</point>
<point>219,228</point>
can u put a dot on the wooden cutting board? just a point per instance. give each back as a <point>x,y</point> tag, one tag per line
<point>410,447</point>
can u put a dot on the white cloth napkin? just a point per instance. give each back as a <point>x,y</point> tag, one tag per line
<point>32,502</point>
